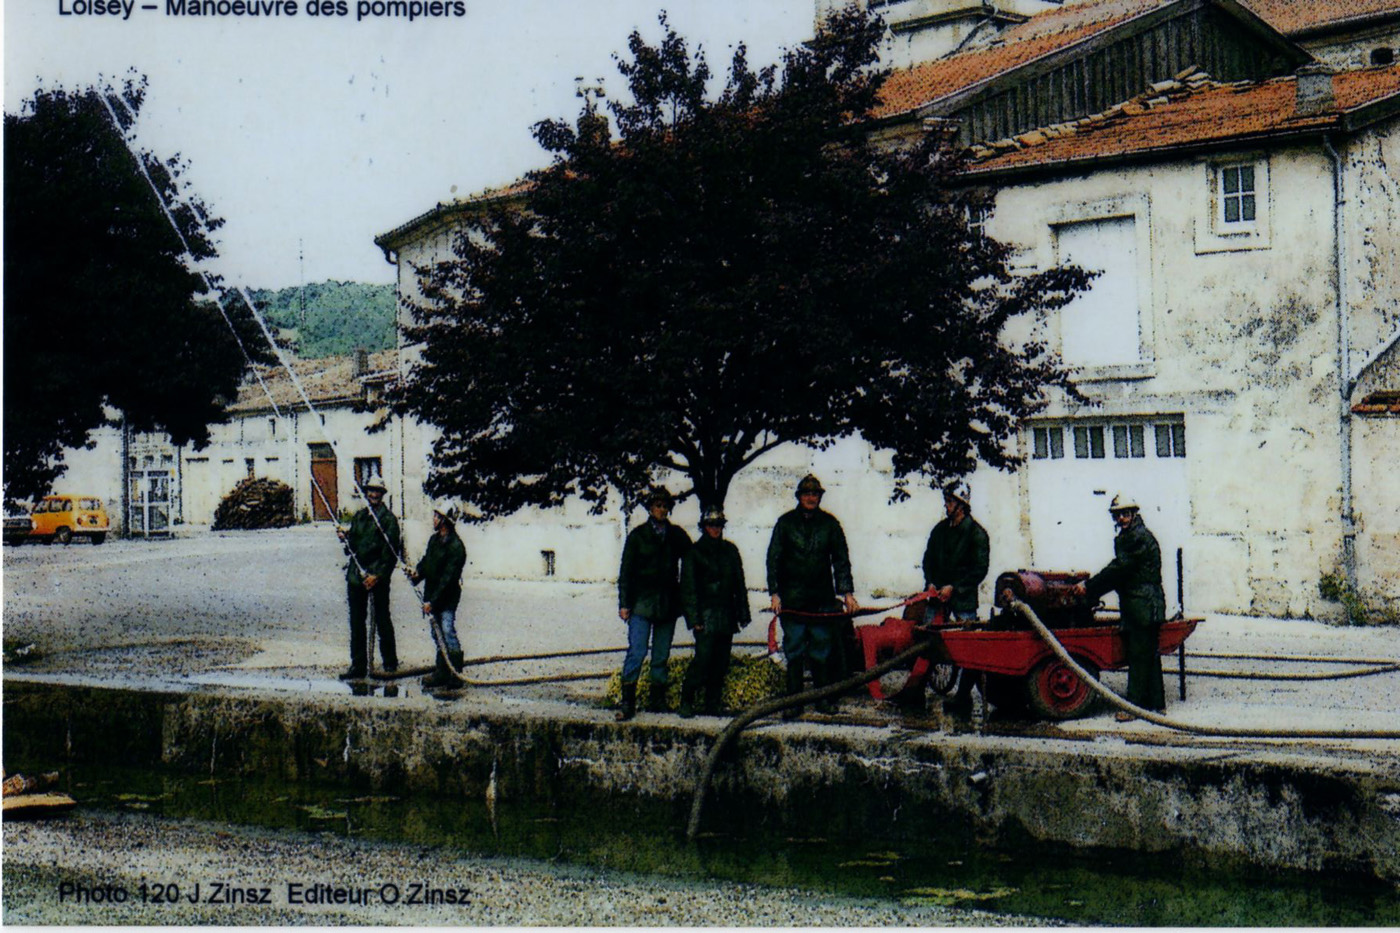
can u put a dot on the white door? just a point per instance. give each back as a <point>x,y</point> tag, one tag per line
<point>1069,493</point>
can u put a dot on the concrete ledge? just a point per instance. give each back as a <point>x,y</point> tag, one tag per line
<point>1294,807</point>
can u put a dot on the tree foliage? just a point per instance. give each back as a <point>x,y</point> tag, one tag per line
<point>101,304</point>
<point>726,274</point>
<point>332,318</point>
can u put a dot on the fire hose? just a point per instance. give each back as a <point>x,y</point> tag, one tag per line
<point>778,704</point>
<point>1092,682</point>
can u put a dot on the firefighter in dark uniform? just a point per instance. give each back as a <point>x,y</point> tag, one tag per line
<point>1136,574</point>
<point>715,601</point>
<point>441,572</point>
<point>374,544</point>
<point>808,566</point>
<point>648,599</point>
<point>955,564</point>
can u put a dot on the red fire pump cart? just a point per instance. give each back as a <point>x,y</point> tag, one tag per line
<point>1020,668</point>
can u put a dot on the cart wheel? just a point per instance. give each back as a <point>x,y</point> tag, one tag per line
<point>1055,691</point>
<point>942,677</point>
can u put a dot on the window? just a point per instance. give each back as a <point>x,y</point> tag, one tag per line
<point>1382,56</point>
<point>272,427</point>
<point>977,219</point>
<point>1048,443</point>
<point>1237,194</point>
<point>1088,442</point>
<point>368,470</point>
<point>248,464</point>
<point>1128,441</point>
<point>1101,327</point>
<point>1171,439</point>
<point>548,558</point>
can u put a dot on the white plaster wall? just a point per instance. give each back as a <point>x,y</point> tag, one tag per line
<point>1243,344</point>
<point>1354,51</point>
<point>97,471</point>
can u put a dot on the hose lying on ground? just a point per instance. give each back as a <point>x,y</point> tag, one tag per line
<point>778,704</point>
<point>1157,718</point>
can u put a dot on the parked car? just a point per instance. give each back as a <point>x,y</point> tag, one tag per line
<point>17,527</point>
<point>63,518</point>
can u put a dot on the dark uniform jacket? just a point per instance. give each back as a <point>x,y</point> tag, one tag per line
<point>957,556</point>
<point>647,583</point>
<point>713,593</point>
<point>365,540</point>
<point>808,563</point>
<point>441,570</point>
<point>1136,573</point>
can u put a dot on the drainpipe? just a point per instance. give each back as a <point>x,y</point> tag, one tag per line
<point>1344,382</point>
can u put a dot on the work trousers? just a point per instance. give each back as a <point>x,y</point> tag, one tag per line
<point>710,665</point>
<point>447,618</point>
<point>640,631</point>
<point>359,599</point>
<point>1141,642</point>
<point>813,642</point>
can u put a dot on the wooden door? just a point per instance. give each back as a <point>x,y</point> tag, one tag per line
<point>325,504</point>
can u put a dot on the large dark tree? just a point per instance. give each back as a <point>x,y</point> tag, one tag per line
<point>101,304</point>
<point>727,274</point>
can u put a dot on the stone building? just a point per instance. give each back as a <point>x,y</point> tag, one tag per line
<point>1238,350</point>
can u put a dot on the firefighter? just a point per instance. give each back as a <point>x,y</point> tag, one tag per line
<point>441,573</point>
<point>1136,574</point>
<point>715,601</point>
<point>648,599</point>
<point>955,563</point>
<point>373,542</point>
<point>808,566</point>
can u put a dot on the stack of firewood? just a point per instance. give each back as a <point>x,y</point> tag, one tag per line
<point>256,503</point>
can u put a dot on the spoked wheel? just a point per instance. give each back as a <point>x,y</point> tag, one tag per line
<point>942,677</point>
<point>1055,691</point>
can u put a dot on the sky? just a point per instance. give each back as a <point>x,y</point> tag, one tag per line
<point>311,135</point>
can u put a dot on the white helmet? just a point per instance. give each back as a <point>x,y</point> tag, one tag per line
<point>447,509</point>
<point>1122,503</point>
<point>959,490</point>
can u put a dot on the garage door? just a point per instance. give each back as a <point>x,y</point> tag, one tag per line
<point>1077,467</point>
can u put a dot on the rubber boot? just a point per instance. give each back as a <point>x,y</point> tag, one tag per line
<point>457,662</point>
<point>628,707</point>
<point>823,675</point>
<point>440,677</point>
<point>793,686</point>
<point>960,704</point>
<point>687,707</point>
<point>656,697</point>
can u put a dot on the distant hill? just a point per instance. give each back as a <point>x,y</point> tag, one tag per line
<point>338,317</point>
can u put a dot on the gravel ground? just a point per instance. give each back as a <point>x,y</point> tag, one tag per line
<point>83,851</point>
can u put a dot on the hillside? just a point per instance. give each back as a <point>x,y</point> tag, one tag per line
<point>338,317</point>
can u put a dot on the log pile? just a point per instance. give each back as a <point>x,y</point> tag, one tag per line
<point>256,503</point>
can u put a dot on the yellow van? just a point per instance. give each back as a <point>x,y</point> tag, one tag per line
<point>62,518</point>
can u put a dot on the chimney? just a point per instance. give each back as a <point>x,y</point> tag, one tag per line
<point>1315,89</point>
<point>361,362</point>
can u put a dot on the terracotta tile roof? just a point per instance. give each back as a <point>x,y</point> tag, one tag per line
<point>1386,402</point>
<point>1188,111</point>
<point>1043,34</point>
<point>327,380</point>
<point>1295,16</point>
<point>444,210</point>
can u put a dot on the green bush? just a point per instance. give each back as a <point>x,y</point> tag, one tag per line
<point>1333,587</point>
<point>751,679</point>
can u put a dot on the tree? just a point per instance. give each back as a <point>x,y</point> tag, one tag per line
<point>726,275</point>
<point>101,305</point>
